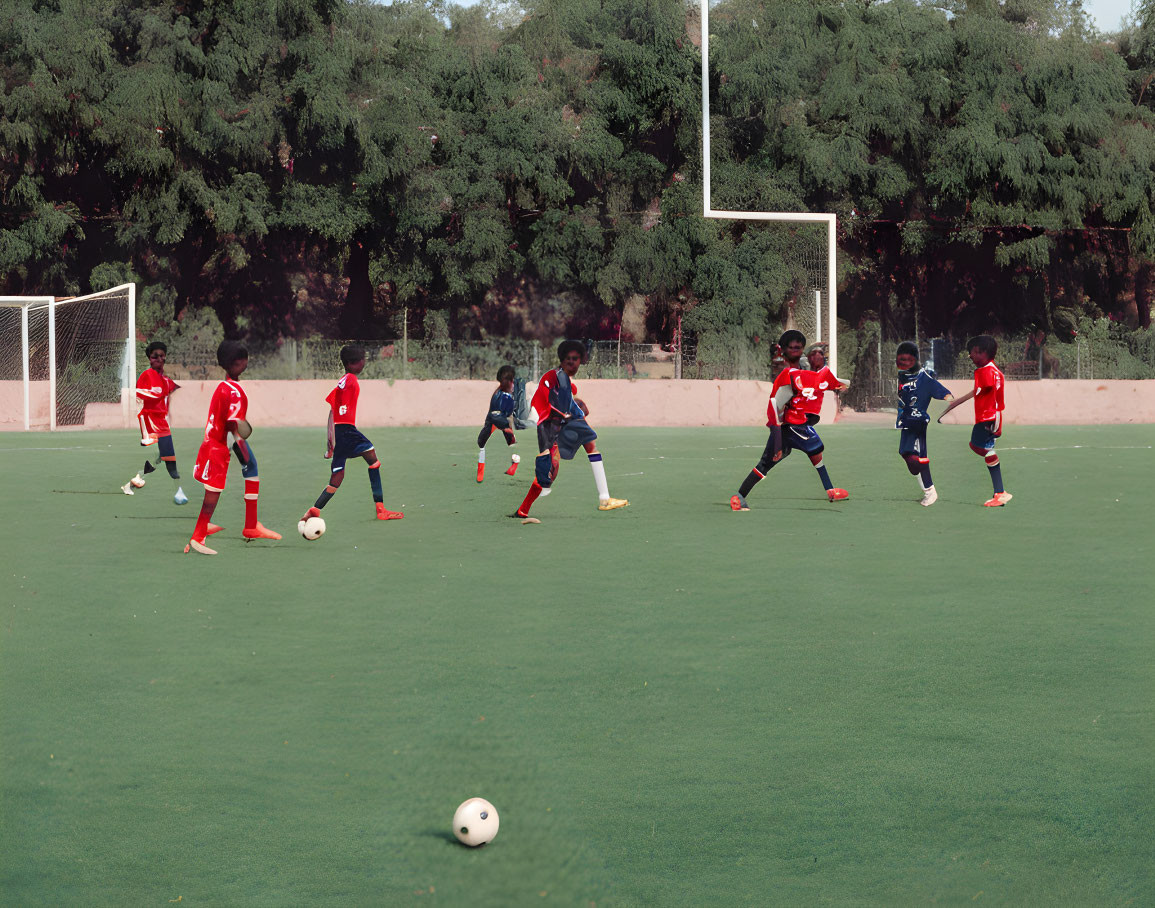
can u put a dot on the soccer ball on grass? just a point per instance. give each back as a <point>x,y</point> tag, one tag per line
<point>475,822</point>
<point>313,528</point>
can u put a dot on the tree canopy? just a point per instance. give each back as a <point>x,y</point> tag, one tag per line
<point>320,166</point>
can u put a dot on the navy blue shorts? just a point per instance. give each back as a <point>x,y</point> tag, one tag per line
<point>487,430</point>
<point>983,435</point>
<point>348,442</point>
<point>801,438</point>
<point>569,435</point>
<point>912,441</point>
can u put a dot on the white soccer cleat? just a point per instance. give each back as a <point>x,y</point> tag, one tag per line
<point>127,488</point>
<point>137,481</point>
<point>180,497</point>
<point>929,497</point>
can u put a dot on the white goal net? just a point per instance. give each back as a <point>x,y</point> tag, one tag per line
<point>68,362</point>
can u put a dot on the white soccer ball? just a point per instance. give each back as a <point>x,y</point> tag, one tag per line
<point>475,822</point>
<point>516,458</point>
<point>313,528</point>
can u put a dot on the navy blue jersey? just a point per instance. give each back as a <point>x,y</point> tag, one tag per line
<point>916,389</point>
<point>501,407</point>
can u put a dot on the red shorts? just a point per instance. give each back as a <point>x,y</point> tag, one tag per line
<point>152,426</point>
<point>212,466</point>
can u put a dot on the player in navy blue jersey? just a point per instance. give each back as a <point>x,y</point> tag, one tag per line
<point>500,417</point>
<point>917,387</point>
<point>562,429</point>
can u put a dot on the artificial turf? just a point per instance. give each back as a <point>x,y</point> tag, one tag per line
<point>867,702</point>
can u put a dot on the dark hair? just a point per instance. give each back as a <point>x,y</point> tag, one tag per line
<point>505,372</point>
<point>789,337</point>
<point>229,352</point>
<point>907,347</point>
<point>154,346</point>
<point>984,342</point>
<point>351,353</point>
<point>567,347</point>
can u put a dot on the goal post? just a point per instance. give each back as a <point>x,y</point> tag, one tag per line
<point>59,356</point>
<point>830,336</point>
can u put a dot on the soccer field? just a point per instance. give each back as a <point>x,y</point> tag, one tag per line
<point>867,702</point>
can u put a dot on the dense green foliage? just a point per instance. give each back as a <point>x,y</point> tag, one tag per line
<point>303,167</point>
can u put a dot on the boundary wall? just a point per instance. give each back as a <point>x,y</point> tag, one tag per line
<point>612,402</point>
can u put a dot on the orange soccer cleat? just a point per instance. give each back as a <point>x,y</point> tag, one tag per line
<point>384,514</point>
<point>213,528</point>
<point>259,532</point>
<point>1000,499</point>
<point>738,503</point>
<point>837,494</point>
<point>312,512</point>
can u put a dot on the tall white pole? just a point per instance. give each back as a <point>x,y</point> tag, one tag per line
<point>27,370</point>
<point>126,395</point>
<point>832,288</point>
<point>705,107</point>
<point>52,365</point>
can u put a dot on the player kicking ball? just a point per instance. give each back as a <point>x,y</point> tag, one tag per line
<point>562,429</point>
<point>499,417</point>
<point>787,419</point>
<point>989,406</point>
<point>153,388</point>
<point>344,439</point>
<point>227,411</point>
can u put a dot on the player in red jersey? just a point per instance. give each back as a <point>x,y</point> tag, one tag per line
<point>562,429</point>
<point>344,439</point>
<point>989,406</point>
<point>826,381</point>
<point>153,389</point>
<point>227,411</point>
<point>786,416</point>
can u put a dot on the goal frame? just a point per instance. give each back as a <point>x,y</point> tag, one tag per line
<point>830,220</point>
<point>26,304</point>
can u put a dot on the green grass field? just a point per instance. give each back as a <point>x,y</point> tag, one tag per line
<point>672,704</point>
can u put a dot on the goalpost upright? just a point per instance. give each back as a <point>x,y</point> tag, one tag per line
<point>830,220</point>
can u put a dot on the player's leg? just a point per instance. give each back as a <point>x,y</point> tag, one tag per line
<point>168,456</point>
<point>774,451</point>
<point>201,530</point>
<point>805,438</point>
<point>514,458</point>
<point>912,449</point>
<point>983,437</point>
<point>254,529</point>
<point>374,463</point>
<point>482,439</point>
<point>605,502</point>
<point>147,437</point>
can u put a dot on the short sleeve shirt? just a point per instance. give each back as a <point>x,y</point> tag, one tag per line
<point>343,400</point>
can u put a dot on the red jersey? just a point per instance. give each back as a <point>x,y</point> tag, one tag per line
<point>229,404</point>
<point>827,381</point>
<point>793,389</point>
<point>555,396</point>
<point>153,389</point>
<point>343,400</point>
<point>989,383</point>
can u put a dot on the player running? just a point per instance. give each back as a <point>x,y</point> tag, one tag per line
<point>989,407</point>
<point>153,388</point>
<point>227,411</point>
<point>499,417</point>
<point>562,429</point>
<point>346,441</point>
<point>787,420</point>
<point>917,387</point>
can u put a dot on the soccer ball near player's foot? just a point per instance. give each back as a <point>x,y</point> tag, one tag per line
<point>475,822</point>
<point>313,528</point>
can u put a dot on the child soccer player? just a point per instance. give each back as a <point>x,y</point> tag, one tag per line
<point>916,388</point>
<point>501,408</point>
<point>346,441</point>
<point>227,411</point>
<point>562,429</point>
<point>825,381</point>
<point>153,388</point>
<point>789,427</point>
<point>989,406</point>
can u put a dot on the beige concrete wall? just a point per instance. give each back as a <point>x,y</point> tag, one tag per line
<point>611,402</point>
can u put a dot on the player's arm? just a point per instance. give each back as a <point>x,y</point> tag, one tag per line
<point>330,437</point>
<point>956,402</point>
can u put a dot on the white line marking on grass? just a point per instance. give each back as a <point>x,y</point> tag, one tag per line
<point>1088,447</point>
<point>630,474</point>
<point>69,448</point>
